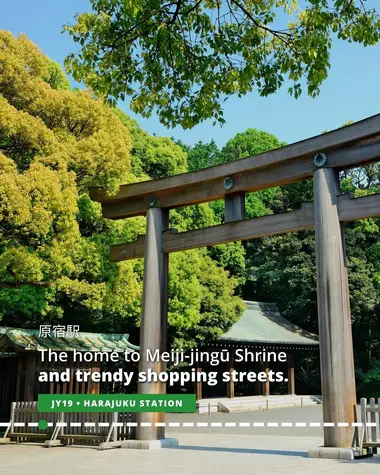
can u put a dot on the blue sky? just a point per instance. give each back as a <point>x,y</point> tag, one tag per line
<point>350,93</point>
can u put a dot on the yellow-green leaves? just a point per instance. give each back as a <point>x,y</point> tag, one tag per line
<point>184,58</point>
<point>53,142</point>
<point>19,265</point>
<point>54,242</point>
<point>40,119</point>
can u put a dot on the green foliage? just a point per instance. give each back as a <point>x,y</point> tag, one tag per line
<point>282,269</point>
<point>156,157</point>
<point>201,155</point>
<point>231,256</point>
<point>369,380</point>
<point>54,242</point>
<point>219,308</point>
<point>249,143</point>
<point>185,58</point>
<point>53,144</point>
<point>56,78</point>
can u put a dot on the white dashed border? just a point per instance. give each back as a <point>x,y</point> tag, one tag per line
<point>197,424</point>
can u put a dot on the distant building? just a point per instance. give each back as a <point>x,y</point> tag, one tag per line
<point>260,327</point>
<point>20,363</point>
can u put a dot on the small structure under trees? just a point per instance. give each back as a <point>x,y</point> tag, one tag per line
<point>21,363</point>
<point>261,327</point>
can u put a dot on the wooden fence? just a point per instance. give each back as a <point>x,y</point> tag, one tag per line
<point>104,429</point>
<point>369,436</point>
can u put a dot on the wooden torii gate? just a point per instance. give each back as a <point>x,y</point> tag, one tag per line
<point>320,158</point>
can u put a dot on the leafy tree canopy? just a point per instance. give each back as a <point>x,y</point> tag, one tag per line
<point>185,57</point>
<point>153,156</point>
<point>54,242</point>
<point>201,155</point>
<point>248,143</point>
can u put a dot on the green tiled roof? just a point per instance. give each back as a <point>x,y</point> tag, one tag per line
<point>262,323</point>
<point>17,339</point>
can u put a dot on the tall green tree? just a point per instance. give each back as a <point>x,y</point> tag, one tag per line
<point>248,143</point>
<point>54,242</point>
<point>151,156</point>
<point>184,58</point>
<point>232,256</point>
<point>202,155</point>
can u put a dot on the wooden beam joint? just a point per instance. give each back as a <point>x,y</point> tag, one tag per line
<point>234,207</point>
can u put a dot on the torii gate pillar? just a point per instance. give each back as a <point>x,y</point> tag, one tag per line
<point>153,329</point>
<point>335,335</point>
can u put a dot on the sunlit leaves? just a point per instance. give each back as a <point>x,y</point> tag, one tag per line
<point>54,242</point>
<point>183,59</point>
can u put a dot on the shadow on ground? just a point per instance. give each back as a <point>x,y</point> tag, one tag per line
<point>237,450</point>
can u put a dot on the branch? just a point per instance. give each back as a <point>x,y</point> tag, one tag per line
<point>176,13</point>
<point>17,285</point>
<point>124,34</point>
<point>192,8</point>
<point>275,33</point>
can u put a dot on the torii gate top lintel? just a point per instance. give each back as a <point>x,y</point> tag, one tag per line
<point>347,147</point>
